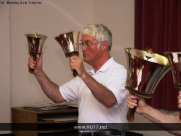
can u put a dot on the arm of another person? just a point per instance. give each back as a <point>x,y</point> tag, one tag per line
<point>153,115</point>
<point>50,89</point>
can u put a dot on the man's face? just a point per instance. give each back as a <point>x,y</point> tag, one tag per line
<point>91,53</point>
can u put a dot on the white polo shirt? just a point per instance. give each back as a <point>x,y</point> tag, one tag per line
<point>113,76</point>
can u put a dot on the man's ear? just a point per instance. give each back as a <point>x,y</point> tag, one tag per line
<point>104,45</point>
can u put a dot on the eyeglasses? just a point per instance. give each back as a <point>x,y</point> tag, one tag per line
<point>87,44</point>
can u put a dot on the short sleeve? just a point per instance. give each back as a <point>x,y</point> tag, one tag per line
<point>69,90</point>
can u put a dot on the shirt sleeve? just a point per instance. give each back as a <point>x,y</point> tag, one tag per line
<point>117,84</point>
<point>69,90</point>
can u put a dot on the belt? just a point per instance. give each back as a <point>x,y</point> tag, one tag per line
<point>103,133</point>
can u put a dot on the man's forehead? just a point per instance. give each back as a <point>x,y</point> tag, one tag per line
<point>87,37</point>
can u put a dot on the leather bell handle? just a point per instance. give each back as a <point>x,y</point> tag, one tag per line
<point>74,71</point>
<point>130,114</point>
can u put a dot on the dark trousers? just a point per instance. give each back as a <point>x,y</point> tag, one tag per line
<point>103,133</point>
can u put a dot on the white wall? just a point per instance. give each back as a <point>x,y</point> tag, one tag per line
<point>4,64</point>
<point>118,15</point>
<point>50,18</point>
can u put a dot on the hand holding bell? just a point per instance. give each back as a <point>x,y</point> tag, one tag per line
<point>35,45</point>
<point>145,70</point>
<point>69,44</point>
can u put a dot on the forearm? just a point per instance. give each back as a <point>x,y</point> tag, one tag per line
<point>50,89</point>
<point>100,92</point>
<point>162,119</point>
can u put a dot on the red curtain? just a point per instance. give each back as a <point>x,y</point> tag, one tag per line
<point>158,26</point>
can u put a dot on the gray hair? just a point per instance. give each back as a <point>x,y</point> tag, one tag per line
<point>100,32</point>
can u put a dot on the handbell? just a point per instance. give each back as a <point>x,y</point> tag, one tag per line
<point>175,64</point>
<point>69,43</point>
<point>35,45</point>
<point>145,70</point>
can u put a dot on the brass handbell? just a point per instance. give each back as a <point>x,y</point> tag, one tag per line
<point>175,64</point>
<point>35,45</point>
<point>145,70</point>
<point>69,43</point>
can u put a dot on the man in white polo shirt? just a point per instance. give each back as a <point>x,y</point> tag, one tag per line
<point>100,91</point>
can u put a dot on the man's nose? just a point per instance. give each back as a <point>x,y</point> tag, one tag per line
<point>83,48</point>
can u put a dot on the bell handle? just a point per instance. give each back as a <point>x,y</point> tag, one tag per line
<point>130,114</point>
<point>74,71</point>
<point>34,58</point>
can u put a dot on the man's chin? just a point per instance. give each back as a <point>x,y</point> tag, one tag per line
<point>85,59</point>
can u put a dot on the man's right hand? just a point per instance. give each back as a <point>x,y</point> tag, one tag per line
<point>35,65</point>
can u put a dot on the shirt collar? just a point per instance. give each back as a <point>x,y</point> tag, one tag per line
<point>104,68</point>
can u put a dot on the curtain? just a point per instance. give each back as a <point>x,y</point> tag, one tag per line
<point>158,26</point>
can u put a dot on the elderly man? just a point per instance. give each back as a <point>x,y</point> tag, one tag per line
<point>100,91</point>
